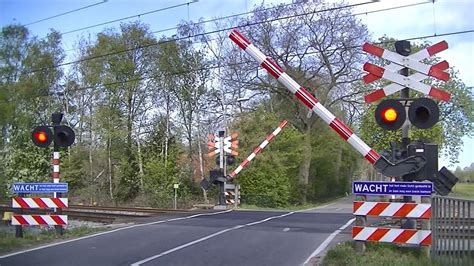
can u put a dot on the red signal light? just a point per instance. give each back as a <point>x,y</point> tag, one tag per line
<point>389,115</point>
<point>42,136</point>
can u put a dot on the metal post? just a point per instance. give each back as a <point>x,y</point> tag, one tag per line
<point>175,198</point>
<point>222,166</point>
<point>56,118</point>
<point>425,225</point>
<point>360,221</point>
<point>19,228</point>
<point>404,48</point>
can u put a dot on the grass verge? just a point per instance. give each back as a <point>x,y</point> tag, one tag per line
<point>9,243</point>
<point>463,190</point>
<point>376,254</point>
<point>287,208</point>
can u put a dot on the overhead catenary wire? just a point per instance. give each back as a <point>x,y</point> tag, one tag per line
<point>230,28</point>
<point>67,12</point>
<point>129,17</point>
<point>97,86</point>
<point>187,37</point>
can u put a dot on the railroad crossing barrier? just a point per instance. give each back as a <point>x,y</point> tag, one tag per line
<point>362,208</point>
<point>453,231</point>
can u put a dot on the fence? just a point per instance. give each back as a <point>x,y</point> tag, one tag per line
<point>452,228</point>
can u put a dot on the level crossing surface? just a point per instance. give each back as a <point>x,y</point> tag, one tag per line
<point>222,238</point>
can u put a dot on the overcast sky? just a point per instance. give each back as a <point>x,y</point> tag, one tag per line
<point>444,18</point>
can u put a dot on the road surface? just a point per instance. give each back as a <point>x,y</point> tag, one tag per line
<point>232,237</point>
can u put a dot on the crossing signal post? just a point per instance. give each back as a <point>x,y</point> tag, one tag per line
<point>60,136</point>
<point>224,147</point>
<point>423,113</point>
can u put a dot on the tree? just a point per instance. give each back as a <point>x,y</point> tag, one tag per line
<point>316,43</point>
<point>125,74</point>
<point>28,80</point>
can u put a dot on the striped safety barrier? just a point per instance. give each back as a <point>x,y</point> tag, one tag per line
<point>305,97</point>
<point>39,220</point>
<point>392,235</point>
<point>39,203</point>
<point>257,150</point>
<point>393,209</point>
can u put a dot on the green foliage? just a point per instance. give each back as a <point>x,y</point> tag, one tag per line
<point>267,182</point>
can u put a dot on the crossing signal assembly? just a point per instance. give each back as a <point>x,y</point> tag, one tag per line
<point>63,136</point>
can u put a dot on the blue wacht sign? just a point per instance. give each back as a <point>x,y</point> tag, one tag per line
<point>39,187</point>
<point>392,188</point>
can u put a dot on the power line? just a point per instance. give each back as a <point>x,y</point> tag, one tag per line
<point>248,62</point>
<point>129,17</point>
<point>65,13</point>
<point>189,37</point>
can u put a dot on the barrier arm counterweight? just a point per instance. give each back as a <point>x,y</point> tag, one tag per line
<point>380,163</point>
<point>257,150</point>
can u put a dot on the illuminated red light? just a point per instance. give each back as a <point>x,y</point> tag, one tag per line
<point>41,136</point>
<point>389,115</point>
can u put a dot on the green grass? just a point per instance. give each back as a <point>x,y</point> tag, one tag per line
<point>376,254</point>
<point>8,241</point>
<point>463,190</point>
<point>289,208</point>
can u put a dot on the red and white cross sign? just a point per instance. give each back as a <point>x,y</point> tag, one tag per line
<point>413,81</point>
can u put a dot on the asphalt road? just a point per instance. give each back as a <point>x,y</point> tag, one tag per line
<point>220,238</point>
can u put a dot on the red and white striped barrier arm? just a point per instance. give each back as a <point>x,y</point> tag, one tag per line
<point>257,150</point>
<point>39,203</point>
<point>305,97</point>
<point>39,219</point>
<point>393,209</point>
<point>392,235</point>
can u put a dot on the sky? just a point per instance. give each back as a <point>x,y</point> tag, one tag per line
<point>442,18</point>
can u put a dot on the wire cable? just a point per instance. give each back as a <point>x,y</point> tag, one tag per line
<point>65,13</point>
<point>187,37</point>
<point>244,63</point>
<point>129,17</point>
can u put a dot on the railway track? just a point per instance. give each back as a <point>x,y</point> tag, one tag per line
<point>102,214</point>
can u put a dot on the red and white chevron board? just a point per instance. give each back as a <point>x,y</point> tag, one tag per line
<point>410,62</point>
<point>39,203</point>
<point>393,209</point>
<point>257,150</point>
<point>39,219</point>
<point>305,97</point>
<point>392,235</point>
<point>404,81</point>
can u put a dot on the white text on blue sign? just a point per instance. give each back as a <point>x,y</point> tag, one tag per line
<point>392,188</point>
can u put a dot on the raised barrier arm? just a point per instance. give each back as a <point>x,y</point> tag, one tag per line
<point>257,150</point>
<point>411,164</point>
